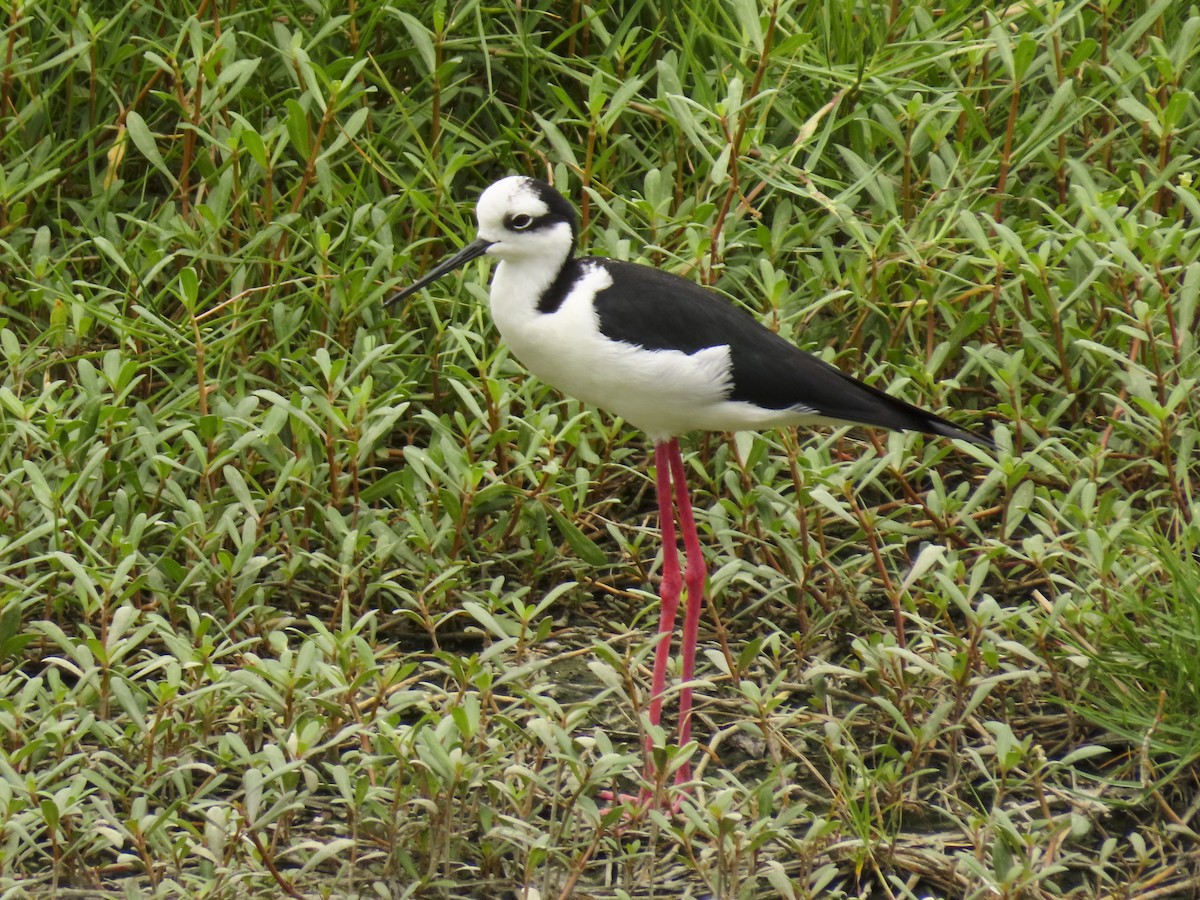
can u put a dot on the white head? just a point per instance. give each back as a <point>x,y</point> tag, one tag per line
<point>522,217</point>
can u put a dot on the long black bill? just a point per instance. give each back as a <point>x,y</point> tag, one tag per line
<point>475,249</point>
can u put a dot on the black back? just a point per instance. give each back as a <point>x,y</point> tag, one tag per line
<point>660,311</point>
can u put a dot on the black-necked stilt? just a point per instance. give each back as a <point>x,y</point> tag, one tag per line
<point>668,356</point>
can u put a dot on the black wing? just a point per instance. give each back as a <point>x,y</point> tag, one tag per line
<point>660,311</point>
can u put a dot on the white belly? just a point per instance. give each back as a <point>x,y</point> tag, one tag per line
<point>662,392</point>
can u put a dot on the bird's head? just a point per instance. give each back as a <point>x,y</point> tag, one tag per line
<point>520,219</point>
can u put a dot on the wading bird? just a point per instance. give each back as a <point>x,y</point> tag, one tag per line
<point>665,354</point>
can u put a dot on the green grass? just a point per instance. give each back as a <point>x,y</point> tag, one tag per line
<point>301,597</point>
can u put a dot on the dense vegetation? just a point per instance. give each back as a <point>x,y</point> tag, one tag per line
<point>301,596</point>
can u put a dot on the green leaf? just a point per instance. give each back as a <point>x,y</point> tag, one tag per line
<point>144,140</point>
<point>582,546</point>
<point>189,289</point>
<point>422,40</point>
<point>12,639</point>
<point>297,128</point>
<point>254,145</point>
<point>1176,107</point>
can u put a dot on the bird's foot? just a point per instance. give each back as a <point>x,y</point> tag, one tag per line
<point>655,792</point>
<point>635,807</point>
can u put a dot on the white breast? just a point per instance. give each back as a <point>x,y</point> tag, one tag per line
<point>663,392</point>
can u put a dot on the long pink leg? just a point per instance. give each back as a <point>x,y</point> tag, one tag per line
<point>697,572</point>
<point>671,582</point>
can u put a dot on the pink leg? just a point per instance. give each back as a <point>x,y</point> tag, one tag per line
<point>671,583</point>
<point>697,572</point>
<point>669,464</point>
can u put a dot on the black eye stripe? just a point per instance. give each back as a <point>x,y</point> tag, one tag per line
<point>523,222</point>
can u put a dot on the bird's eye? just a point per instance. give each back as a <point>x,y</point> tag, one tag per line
<point>520,222</point>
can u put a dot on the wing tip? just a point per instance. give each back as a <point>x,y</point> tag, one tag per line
<point>943,428</point>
